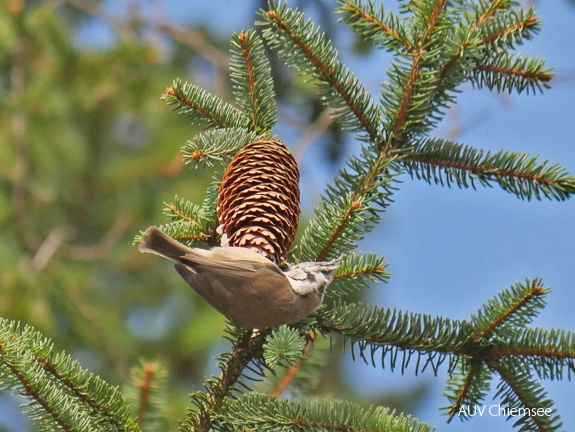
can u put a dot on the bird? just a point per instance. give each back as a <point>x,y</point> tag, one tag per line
<point>247,288</point>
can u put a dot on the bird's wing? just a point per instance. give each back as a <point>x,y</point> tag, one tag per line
<point>212,290</point>
<point>201,263</point>
<point>232,268</point>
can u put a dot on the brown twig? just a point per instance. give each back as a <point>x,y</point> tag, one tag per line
<point>357,11</point>
<point>102,248</point>
<point>535,291</point>
<point>196,40</point>
<point>145,386</point>
<point>454,408</point>
<point>313,130</point>
<point>510,379</point>
<point>355,206</point>
<point>90,7</point>
<point>47,250</point>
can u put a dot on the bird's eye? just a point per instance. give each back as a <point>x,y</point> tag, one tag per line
<point>310,277</point>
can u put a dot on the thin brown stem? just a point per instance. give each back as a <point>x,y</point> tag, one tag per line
<point>536,290</point>
<point>510,380</point>
<point>253,97</point>
<point>355,10</point>
<point>102,247</point>
<point>454,408</point>
<point>498,352</point>
<point>94,8</point>
<point>314,129</point>
<point>544,76</point>
<point>482,170</point>
<point>355,206</point>
<point>146,387</point>
<point>196,106</point>
<point>95,324</point>
<point>408,93</point>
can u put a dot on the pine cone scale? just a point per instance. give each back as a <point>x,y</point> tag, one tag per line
<point>258,204</point>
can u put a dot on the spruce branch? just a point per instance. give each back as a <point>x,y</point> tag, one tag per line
<point>467,386</point>
<point>146,391</point>
<point>344,225</point>
<point>495,339</point>
<point>377,26</point>
<point>487,26</point>
<point>183,211</point>
<point>518,391</point>
<point>431,17</point>
<point>18,377</point>
<point>510,310</point>
<point>185,232</point>
<point>445,163</point>
<point>414,98</point>
<point>300,348</point>
<point>374,327</point>
<point>284,347</point>
<point>398,125</point>
<point>510,27</point>
<point>356,273</point>
<point>309,52</point>
<point>305,376</point>
<point>351,207</point>
<point>262,413</point>
<point>550,352</point>
<point>217,145</point>
<point>203,108</point>
<point>253,85</point>
<point>209,208</point>
<point>188,222</point>
<point>452,43</point>
<point>246,347</point>
<point>505,72</point>
<point>556,343</point>
<point>62,394</point>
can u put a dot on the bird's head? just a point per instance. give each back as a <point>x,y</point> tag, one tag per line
<point>309,277</point>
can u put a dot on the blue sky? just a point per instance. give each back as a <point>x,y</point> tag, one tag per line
<point>450,249</point>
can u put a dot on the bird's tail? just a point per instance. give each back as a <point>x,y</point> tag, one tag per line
<point>156,242</point>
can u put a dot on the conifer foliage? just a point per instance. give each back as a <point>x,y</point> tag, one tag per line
<point>437,46</point>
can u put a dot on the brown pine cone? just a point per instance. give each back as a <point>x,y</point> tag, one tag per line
<point>258,203</point>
